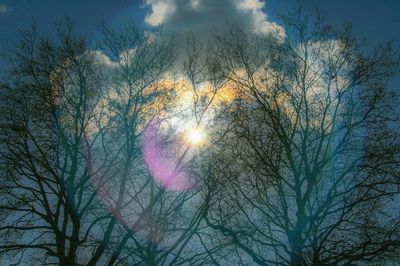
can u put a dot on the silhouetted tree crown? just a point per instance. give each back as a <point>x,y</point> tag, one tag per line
<point>242,149</point>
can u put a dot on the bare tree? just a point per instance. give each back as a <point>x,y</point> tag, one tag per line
<point>45,107</point>
<point>309,172</point>
<point>76,187</point>
<point>247,150</point>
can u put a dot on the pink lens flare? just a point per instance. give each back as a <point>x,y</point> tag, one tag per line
<point>165,168</point>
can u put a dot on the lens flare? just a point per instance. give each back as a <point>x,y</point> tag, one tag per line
<point>165,166</point>
<point>196,136</point>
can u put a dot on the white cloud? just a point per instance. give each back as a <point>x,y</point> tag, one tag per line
<point>250,4</point>
<point>203,16</point>
<point>261,25</point>
<point>160,9</point>
<point>4,9</point>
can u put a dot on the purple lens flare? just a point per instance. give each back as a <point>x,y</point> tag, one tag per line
<point>166,168</point>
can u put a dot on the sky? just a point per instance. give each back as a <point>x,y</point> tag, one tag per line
<point>375,21</point>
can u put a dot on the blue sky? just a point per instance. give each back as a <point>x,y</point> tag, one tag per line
<point>375,21</point>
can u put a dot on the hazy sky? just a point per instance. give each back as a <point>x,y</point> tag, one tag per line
<point>376,21</point>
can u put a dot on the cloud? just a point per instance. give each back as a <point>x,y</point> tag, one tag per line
<point>203,16</point>
<point>4,9</point>
<point>160,9</point>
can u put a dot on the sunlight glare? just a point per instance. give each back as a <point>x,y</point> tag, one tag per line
<point>196,136</point>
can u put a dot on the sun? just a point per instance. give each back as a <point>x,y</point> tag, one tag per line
<point>196,136</point>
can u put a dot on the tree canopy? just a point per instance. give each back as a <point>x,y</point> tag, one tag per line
<point>243,149</point>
